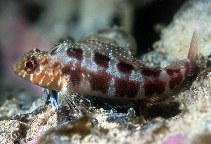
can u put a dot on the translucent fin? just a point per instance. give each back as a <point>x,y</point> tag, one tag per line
<point>158,98</point>
<point>119,105</point>
<point>192,55</point>
<point>116,53</point>
<point>197,60</point>
<point>63,46</point>
<point>75,101</point>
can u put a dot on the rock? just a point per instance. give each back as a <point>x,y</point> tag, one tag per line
<point>12,131</point>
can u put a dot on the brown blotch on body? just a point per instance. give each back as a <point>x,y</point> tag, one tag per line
<point>170,72</point>
<point>176,81</point>
<point>101,60</point>
<point>154,87</point>
<point>75,52</point>
<point>124,67</point>
<point>149,73</point>
<point>100,81</point>
<point>57,64</point>
<point>75,75</point>
<point>127,88</point>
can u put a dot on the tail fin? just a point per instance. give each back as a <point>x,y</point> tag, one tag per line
<point>196,60</point>
<point>193,51</point>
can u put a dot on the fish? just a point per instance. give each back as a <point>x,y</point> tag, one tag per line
<point>94,67</point>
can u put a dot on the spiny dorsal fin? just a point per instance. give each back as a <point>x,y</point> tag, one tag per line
<point>114,52</point>
<point>63,46</point>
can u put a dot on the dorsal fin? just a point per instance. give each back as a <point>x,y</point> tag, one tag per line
<point>114,52</point>
<point>60,47</point>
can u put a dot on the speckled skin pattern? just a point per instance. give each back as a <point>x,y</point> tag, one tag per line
<point>98,68</point>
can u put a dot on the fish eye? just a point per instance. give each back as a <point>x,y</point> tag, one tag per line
<point>30,64</point>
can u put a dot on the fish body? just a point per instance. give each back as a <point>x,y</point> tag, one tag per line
<point>98,68</point>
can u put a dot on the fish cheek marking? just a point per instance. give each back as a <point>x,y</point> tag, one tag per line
<point>176,81</point>
<point>46,80</point>
<point>152,87</point>
<point>75,75</point>
<point>100,82</point>
<point>124,67</point>
<point>75,52</point>
<point>101,60</point>
<point>126,88</point>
